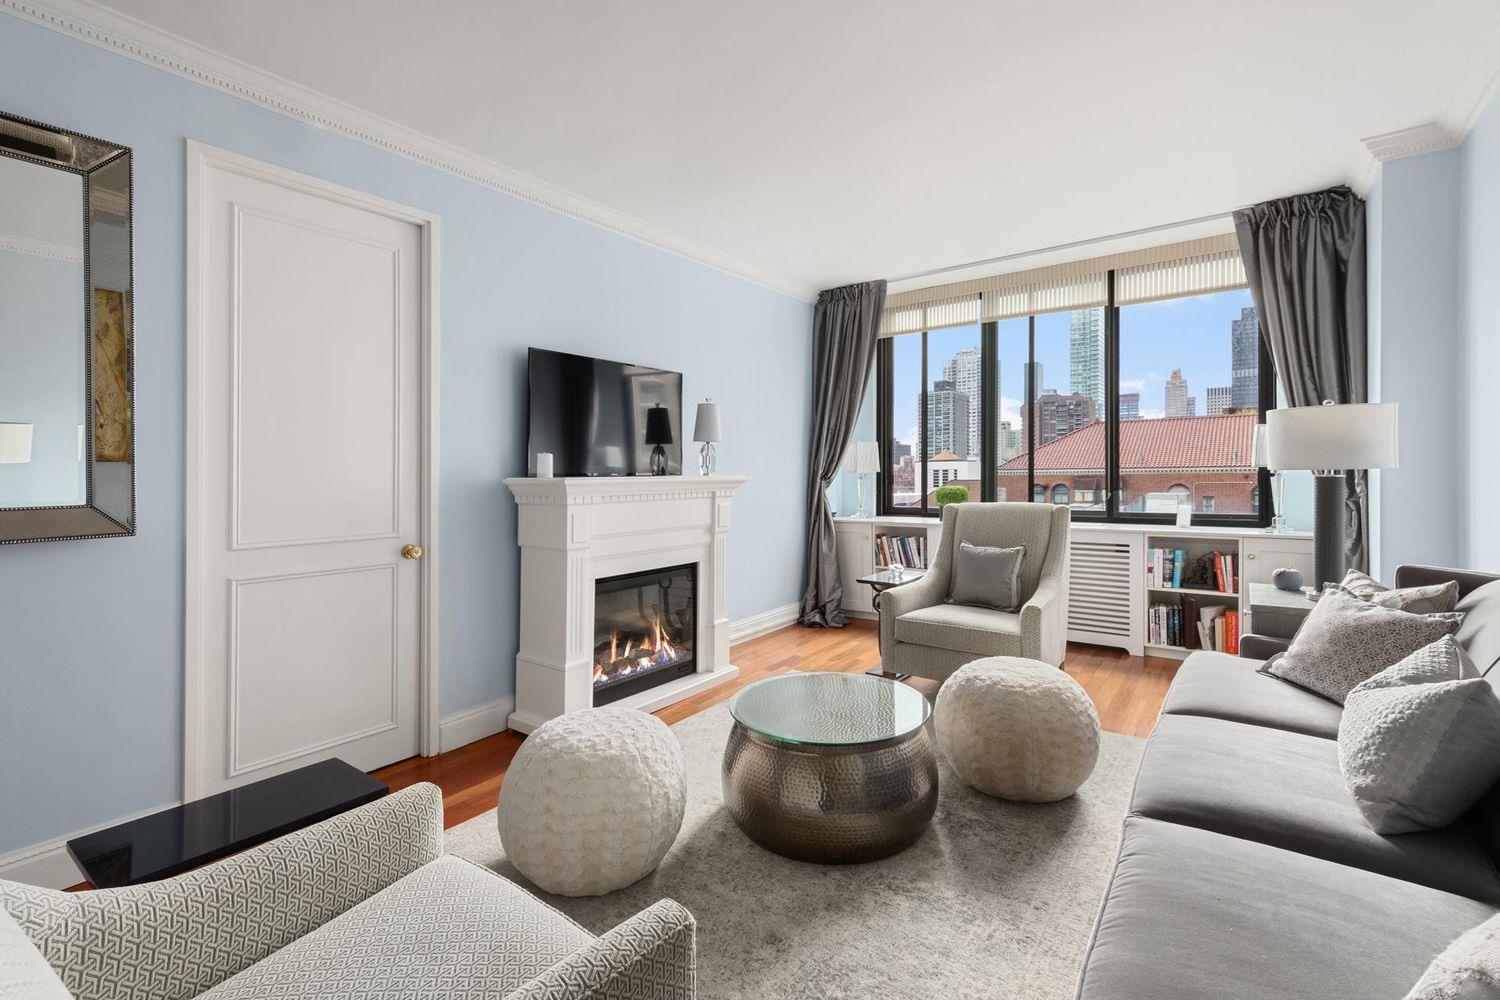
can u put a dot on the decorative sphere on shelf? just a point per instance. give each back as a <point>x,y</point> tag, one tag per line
<point>593,800</point>
<point>1017,729</point>
<point>1287,578</point>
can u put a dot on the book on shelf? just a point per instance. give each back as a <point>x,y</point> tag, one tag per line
<point>909,551</point>
<point>1165,569</point>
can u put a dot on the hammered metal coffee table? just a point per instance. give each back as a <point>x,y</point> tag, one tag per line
<point>831,768</point>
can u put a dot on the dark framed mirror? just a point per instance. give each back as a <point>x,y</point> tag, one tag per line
<point>67,386</point>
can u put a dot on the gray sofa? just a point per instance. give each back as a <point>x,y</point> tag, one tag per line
<point>363,905</point>
<point>1245,870</point>
<point>923,635</point>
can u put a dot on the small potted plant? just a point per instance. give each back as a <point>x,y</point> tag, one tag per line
<point>945,495</point>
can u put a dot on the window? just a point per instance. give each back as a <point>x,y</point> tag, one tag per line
<point>1193,364</point>
<point>1116,410</point>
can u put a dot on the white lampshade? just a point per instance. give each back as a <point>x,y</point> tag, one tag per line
<point>1258,449</point>
<point>865,457</point>
<point>15,443</point>
<point>1332,437</point>
<point>706,426</point>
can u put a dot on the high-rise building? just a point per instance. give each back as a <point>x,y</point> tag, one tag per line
<point>1177,395</point>
<point>1035,370</point>
<point>963,371</point>
<point>1058,415</point>
<point>1086,354</point>
<point>1010,442</point>
<point>1244,370</point>
<point>1216,399</point>
<point>1192,406</point>
<point>947,418</point>
<point>1130,406</point>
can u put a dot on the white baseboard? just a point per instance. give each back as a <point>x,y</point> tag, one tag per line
<point>766,621</point>
<point>463,728</point>
<point>49,864</point>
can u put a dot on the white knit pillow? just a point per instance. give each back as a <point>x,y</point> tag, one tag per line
<point>1468,969</point>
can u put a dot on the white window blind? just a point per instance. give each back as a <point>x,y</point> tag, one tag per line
<point>1194,267</point>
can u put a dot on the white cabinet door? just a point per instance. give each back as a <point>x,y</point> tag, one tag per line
<point>1265,554</point>
<point>856,546</point>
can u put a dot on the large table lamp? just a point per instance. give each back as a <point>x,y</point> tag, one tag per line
<point>864,460</point>
<point>1331,440</point>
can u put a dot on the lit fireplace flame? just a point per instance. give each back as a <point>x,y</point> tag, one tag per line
<point>640,653</point>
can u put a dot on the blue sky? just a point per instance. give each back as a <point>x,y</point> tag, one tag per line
<point>1155,337</point>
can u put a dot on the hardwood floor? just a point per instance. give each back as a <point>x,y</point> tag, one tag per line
<point>1128,691</point>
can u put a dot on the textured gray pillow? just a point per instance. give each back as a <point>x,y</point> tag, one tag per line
<point>1468,969</point>
<point>1419,743</point>
<point>987,576</point>
<point>1431,599</point>
<point>1345,640</point>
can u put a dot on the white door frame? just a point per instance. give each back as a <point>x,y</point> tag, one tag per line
<point>201,157</point>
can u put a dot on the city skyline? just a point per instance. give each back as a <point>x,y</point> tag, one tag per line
<point>1206,338</point>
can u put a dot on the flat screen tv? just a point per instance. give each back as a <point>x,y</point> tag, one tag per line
<point>602,418</point>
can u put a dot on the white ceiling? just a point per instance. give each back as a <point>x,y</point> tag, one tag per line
<point>823,142</point>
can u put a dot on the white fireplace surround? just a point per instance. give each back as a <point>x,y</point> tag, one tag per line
<point>574,531</point>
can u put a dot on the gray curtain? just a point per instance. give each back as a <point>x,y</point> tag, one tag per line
<point>1305,260</point>
<point>844,327</point>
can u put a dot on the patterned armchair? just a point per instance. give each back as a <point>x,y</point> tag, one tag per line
<point>363,905</point>
<point>922,634</point>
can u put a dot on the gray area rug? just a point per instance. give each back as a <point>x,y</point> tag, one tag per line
<point>996,900</point>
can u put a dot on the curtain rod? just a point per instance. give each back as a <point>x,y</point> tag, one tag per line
<point>1061,246</point>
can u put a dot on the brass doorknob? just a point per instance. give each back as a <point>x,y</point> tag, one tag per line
<point>411,552</point>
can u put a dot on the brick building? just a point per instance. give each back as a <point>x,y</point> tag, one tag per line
<point>1207,458</point>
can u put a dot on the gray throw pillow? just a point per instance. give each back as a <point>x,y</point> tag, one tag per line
<point>1345,640</point>
<point>1468,969</point>
<point>1419,743</point>
<point>987,576</point>
<point>1431,599</point>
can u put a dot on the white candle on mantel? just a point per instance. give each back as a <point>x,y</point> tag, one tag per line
<point>544,465</point>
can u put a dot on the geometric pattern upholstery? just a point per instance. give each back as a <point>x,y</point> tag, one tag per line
<point>961,628</point>
<point>173,939</point>
<point>24,973</point>
<point>450,928</point>
<point>651,956</point>
<point>922,634</point>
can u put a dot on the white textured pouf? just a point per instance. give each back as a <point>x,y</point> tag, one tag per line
<point>593,800</point>
<point>1017,729</point>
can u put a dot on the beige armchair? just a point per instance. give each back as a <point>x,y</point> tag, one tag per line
<point>922,634</point>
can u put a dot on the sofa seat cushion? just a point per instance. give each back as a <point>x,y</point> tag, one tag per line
<point>1285,789</point>
<point>450,928</point>
<point>1222,686</point>
<point>1192,914</point>
<point>963,629</point>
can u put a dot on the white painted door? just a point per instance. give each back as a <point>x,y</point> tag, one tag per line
<point>309,440</point>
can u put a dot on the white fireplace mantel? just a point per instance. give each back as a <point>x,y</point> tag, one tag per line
<point>573,531</point>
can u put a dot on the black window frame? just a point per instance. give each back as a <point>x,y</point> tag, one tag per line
<point>989,340</point>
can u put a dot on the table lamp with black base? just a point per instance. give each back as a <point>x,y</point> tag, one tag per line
<point>1331,440</point>
<point>658,434</point>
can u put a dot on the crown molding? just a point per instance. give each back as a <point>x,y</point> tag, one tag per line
<point>16,243</point>
<point>1475,89</point>
<point>1466,102</point>
<point>127,36</point>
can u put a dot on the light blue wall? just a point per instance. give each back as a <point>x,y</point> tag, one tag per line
<point>1479,342</point>
<point>90,632</point>
<point>1412,222</point>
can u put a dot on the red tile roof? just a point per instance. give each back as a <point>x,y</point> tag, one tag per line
<point>1166,443</point>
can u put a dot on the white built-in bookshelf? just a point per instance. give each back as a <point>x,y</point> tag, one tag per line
<point>1192,579</point>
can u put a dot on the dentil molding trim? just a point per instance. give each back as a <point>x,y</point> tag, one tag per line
<point>1455,119</point>
<point>119,33</point>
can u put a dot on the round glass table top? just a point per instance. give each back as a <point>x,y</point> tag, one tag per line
<point>830,709</point>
